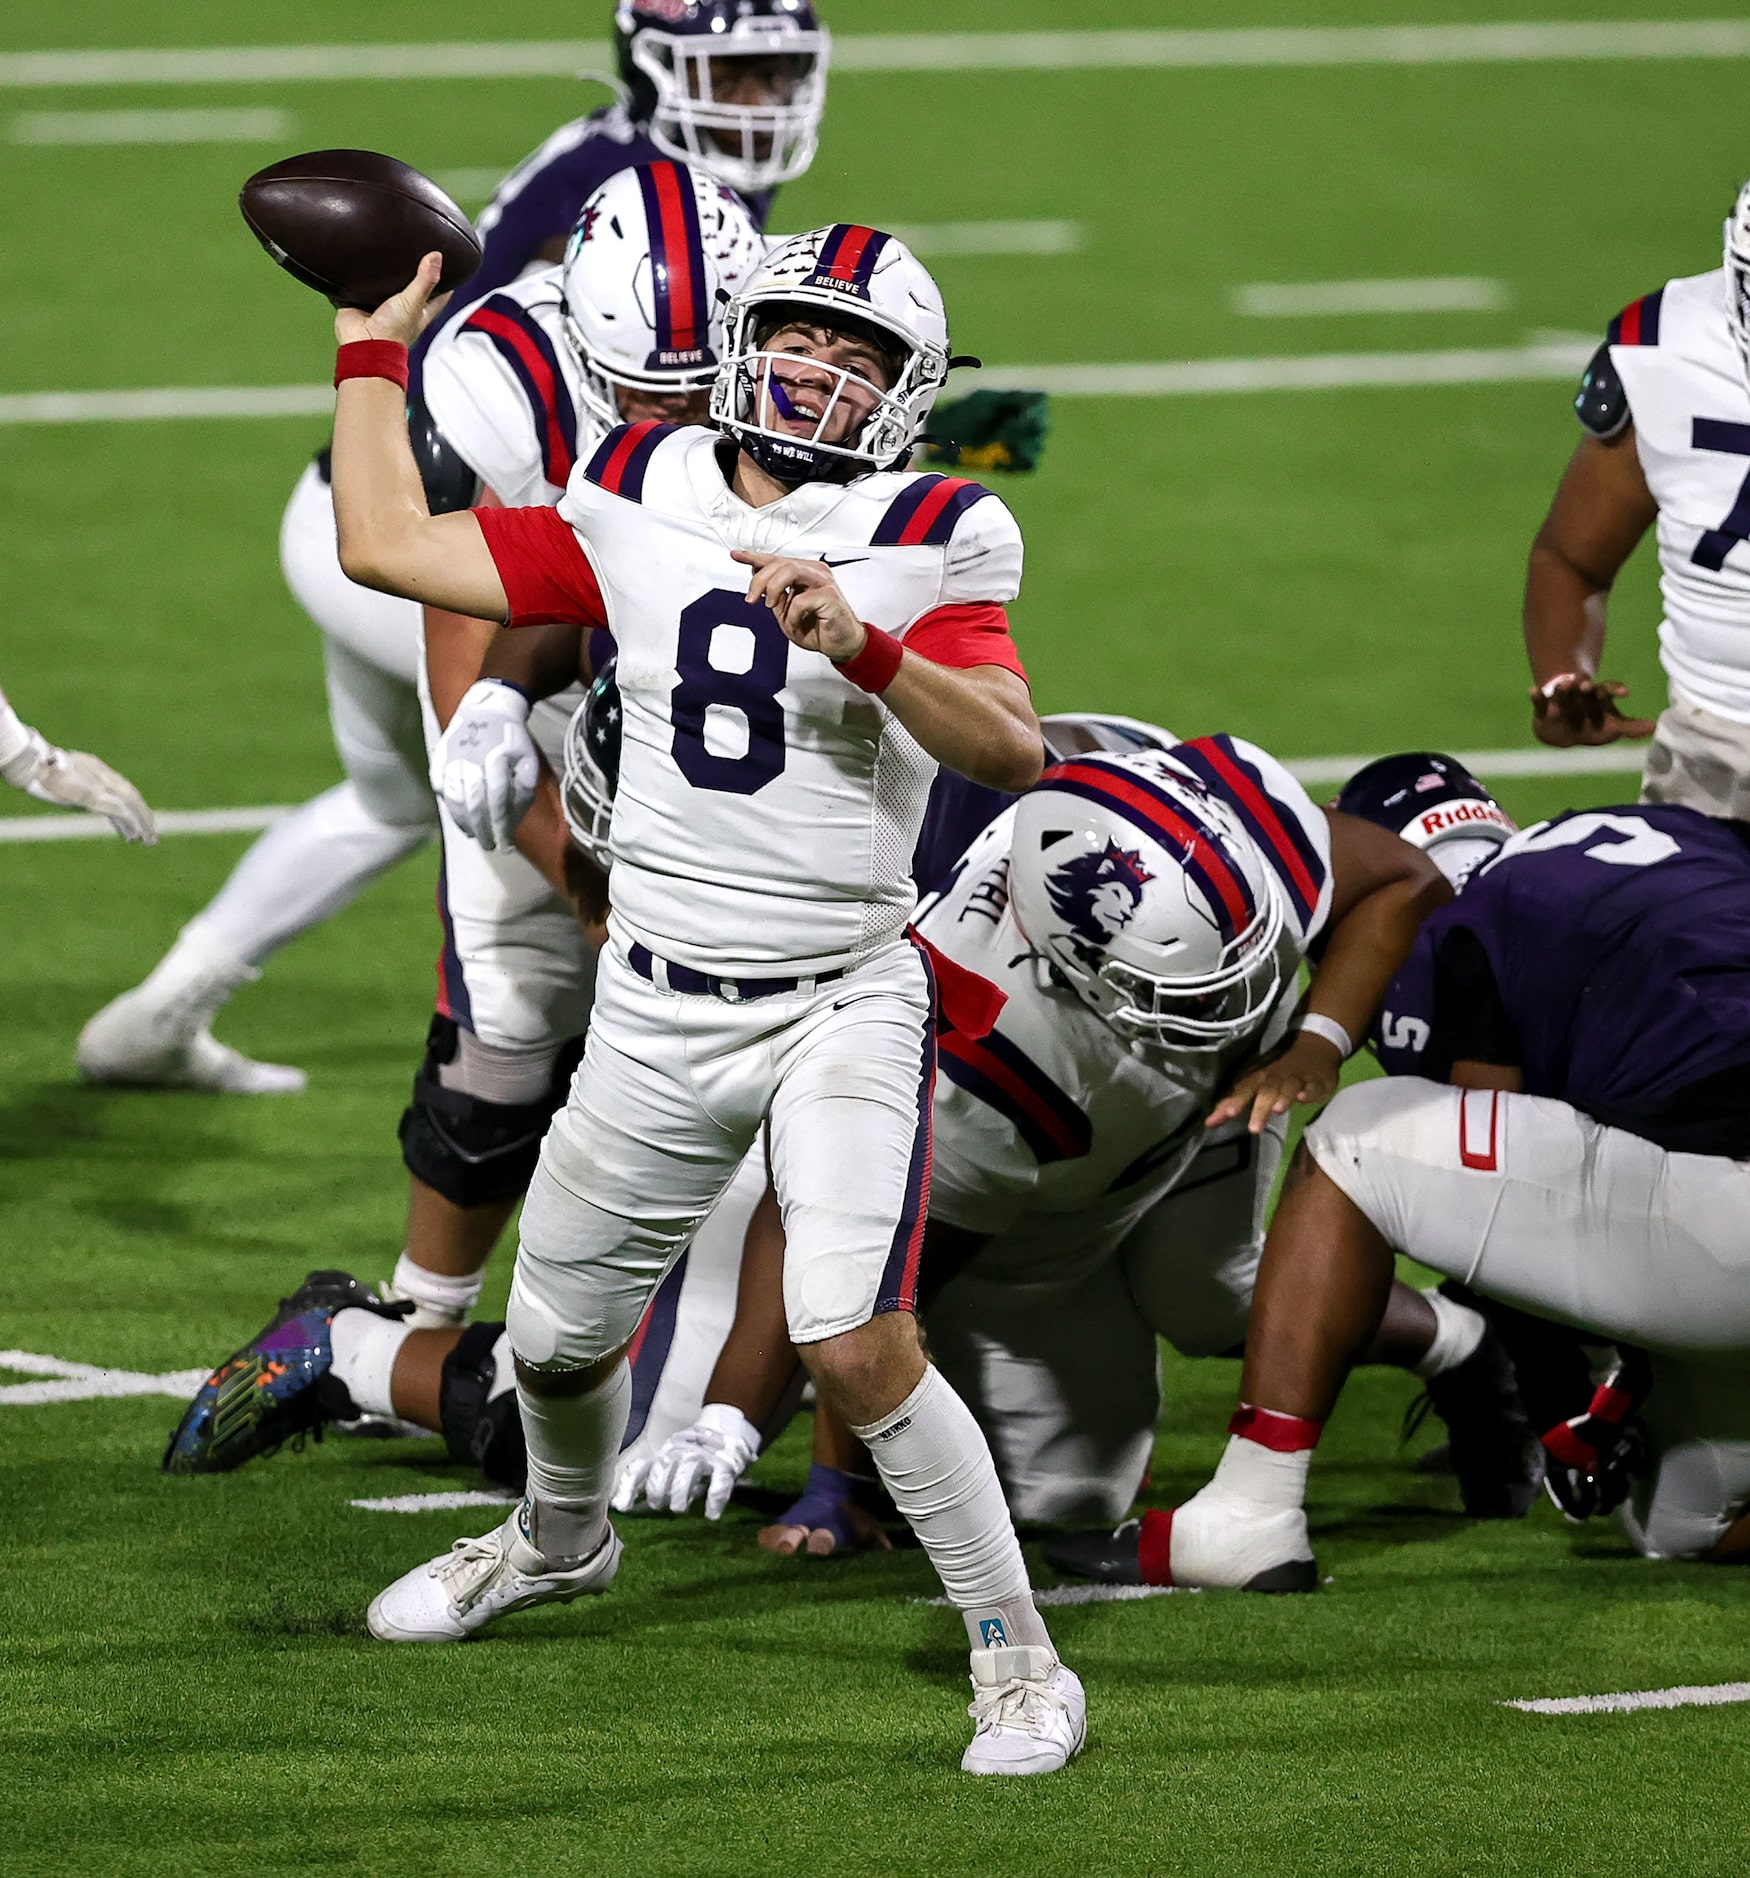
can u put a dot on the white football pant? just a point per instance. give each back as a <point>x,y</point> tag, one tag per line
<point>670,1097</point>
<point>1529,1201</point>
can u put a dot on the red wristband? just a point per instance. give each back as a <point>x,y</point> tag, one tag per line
<point>372,358</point>
<point>873,668</point>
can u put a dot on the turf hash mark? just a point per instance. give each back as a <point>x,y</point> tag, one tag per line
<point>80,1382</point>
<point>1696,1695</point>
<point>432,1502</point>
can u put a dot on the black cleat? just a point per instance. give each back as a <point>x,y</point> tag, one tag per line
<point>1492,1447</point>
<point>1109,1558</point>
<point>278,1386</point>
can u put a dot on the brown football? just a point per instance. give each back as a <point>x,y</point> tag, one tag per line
<point>354,224</point>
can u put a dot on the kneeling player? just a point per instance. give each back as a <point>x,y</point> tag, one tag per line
<point>1574,1143</point>
<point>1081,1205</point>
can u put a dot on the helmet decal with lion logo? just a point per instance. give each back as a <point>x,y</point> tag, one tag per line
<point>1096,896</point>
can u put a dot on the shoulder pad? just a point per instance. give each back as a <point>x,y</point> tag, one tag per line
<point>450,483</point>
<point>624,455</point>
<point>1601,403</point>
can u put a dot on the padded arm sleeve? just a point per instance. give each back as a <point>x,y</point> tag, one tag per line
<point>450,482</point>
<point>1601,403</point>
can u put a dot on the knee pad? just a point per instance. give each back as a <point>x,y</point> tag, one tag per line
<point>473,1151</point>
<point>478,1426</point>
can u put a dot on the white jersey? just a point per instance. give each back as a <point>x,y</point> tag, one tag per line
<point>767,807</point>
<point>1690,404</point>
<point>503,385</point>
<point>1054,1113</point>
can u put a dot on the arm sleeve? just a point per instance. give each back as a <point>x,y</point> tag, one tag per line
<point>964,636</point>
<point>547,578</point>
<point>1471,1024</point>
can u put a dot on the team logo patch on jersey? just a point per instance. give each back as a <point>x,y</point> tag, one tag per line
<point>1096,896</point>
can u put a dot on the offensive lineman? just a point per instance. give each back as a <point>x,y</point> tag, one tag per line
<point>777,748</point>
<point>1665,411</point>
<point>1573,1138</point>
<point>1082,1203</point>
<point>736,88</point>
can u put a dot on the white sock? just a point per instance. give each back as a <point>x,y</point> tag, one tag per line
<point>301,871</point>
<point>444,1301</point>
<point>1457,1332</point>
<point>195,977</point>
<point>934,1460</point>
<point>574,1445</point>
<point>1253,1472</point>
<point>365,1349</point>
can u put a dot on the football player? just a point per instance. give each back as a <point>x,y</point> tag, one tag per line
<point>1082,1204</point>
<point>735,88</point>
<point>1664,410</point>
<point>71,778</point>
<point>1572,1137</point>
<point>804,628</point>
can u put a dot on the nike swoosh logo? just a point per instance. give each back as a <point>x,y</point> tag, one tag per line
<point>849,560</point>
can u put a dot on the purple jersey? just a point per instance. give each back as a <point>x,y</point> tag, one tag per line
<point>544,195</point>
<point>1605,953</point>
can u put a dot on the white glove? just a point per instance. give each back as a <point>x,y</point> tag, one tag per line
<point>714,1454</point>
<point>486,768</point>
<point>74,780</point>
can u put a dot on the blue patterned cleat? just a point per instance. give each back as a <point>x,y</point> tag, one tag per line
<point>276,1387</point>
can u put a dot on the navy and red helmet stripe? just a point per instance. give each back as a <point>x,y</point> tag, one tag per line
<point>529,353</point>
<point>847,258</point>
<point>624,455</point>
<point>1173,823</point>
<point>1638,323</point>
<point>1285,844</point>
<point>680,288</point>
<point>926,512</point>
<point>1004,1077</point>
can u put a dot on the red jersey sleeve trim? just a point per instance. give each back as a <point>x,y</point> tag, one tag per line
<point>964,636</point>
<point>547,579</point>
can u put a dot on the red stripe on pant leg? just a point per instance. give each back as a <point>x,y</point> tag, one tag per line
<point>1485,1162</point>
<point>1154,1548</point>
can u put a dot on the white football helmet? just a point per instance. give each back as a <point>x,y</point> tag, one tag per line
<point>849,277</point>
<point>1738,274</point>
<point>666,51</point>
<point>648,271</point>
<point>1434,803</point>
<point>591,771</point>
<point>1147,895</point>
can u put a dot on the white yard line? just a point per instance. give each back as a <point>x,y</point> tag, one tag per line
<point>1528,42</point>
<point>132,127</point>
<point>432,1502</point>
<point>80,1382</point>
<point>1617,760</point>
<point>1090,1594</point>
<point>1167,378</point>
<point>1697,1695</point>
<point>1311,299</point>
<point>935,240</point>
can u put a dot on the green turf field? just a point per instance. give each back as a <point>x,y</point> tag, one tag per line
<point>185,1681</point>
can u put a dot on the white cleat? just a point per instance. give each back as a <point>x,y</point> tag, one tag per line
<point>465,1588</point>
<point>1030,1715</point>
<point>136,1040</point>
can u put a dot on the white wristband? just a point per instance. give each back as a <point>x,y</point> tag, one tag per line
<point>1327,1027</point>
